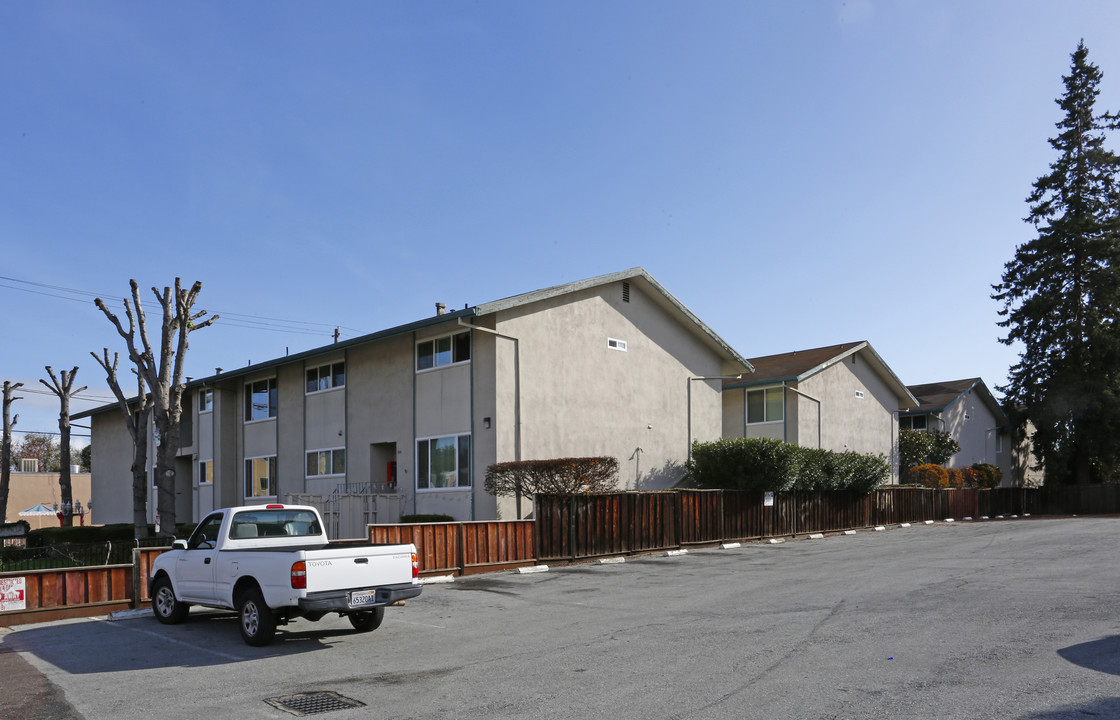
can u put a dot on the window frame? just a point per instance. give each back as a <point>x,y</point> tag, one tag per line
<point>272,477</point>
<point>454,350</point>
<point>463,443</point>
<point>780,390</point>
<point>331,455</point>
<point>273,407</point>
<point>205,478</point>
<point>334,379</point>
<point>911,419</point>
<point>205,401</point>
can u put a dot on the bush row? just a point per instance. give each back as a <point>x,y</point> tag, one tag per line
<point>980,475</point>
<point>119,532</point>
<point>772,465</point>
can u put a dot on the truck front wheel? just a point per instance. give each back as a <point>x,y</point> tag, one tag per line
<point>368,620</point>
<point>168,610</point>
<point>258,624</point>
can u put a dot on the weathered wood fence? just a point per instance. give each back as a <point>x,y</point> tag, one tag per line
<point>463,548</point>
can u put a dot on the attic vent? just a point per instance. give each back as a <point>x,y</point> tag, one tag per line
<point>616,344</point>
<point>625,292</point>
<point>859,394</point>
<point>30,465</point>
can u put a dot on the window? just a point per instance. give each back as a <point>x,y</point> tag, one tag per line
<point>999,441</point>
<point>205,536</point>
<point>446,350</point>
<point>765,405</point>
<point>912,422</point>
<point>616,344</point>
<point>859,394</point>
<point>326,462</point>
<point>443,462</point>
<point>205,400</point>
<point>205,472</point>
<point>29,465</point>
<point>261,399</point>
<point>260,477</point>
<point>326,377</point>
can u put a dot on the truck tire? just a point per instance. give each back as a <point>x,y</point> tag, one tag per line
<point>167,609</point>
<point>368,620</point>
<point>255,618</point>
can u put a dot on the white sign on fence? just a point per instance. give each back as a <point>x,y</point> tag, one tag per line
<point>768,499</point>
<point>13,594</point>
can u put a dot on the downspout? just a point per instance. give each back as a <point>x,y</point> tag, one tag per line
<point>807,397</point>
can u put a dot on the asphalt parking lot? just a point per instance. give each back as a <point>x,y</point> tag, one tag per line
<point>997,619</point>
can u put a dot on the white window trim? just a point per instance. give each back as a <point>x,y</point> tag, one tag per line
<point>209,409</point>
<point>746,406</point>
<point>433,368</point>
<point>245,477</point>
<point>322,450</point>
<point>416,459</point>
<point>320,366</point>
<point>201,464</point>
<point>616,344</point>
<point>248,392</point>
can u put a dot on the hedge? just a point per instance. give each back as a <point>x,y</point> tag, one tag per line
<point>765,464</point>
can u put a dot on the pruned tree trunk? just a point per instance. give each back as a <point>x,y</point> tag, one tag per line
<point>136,421</point>
<point>162,371</point>
<point>64,390</point>
<point>6,446</point>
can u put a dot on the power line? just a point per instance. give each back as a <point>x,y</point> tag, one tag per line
<point>241,320</point>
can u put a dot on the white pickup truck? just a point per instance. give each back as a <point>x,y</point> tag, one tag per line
<point>273,563</point>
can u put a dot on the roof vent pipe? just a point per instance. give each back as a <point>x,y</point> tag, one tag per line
<point>441,308</point>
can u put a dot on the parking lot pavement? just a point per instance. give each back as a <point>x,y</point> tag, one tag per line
<point>1011,619</point>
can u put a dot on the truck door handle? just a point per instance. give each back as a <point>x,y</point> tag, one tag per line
<point>361,561</point>
<point>206,561</point>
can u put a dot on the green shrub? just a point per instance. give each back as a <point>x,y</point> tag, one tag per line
<point>79,535</point>
<point>766,464</point>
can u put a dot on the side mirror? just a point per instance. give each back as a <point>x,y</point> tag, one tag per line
<point>179,545</point>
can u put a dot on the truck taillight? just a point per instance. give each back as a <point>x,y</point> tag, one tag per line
<point>299,575</point>
<point>415,566</point>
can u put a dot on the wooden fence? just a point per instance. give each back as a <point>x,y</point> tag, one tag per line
<point>463,548</point>
<point>571,528</point>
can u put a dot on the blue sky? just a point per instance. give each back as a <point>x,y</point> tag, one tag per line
<point>798,174</point>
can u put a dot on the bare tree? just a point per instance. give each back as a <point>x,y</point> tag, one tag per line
<point>64,390</point>
<point>136,418</point>
<point>6,447</point>
<point>162,371</point>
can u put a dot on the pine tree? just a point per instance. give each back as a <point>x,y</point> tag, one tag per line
<point>1061,295</point>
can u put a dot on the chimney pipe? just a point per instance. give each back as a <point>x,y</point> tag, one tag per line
<point>441,308</point>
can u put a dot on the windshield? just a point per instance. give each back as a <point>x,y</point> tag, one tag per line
<point>279,522</point>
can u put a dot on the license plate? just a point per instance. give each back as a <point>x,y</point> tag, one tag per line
<point>359,598</point>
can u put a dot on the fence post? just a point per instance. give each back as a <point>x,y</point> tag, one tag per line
<point>136,579</point>
<point>572,526</point>
<point>462,549</point>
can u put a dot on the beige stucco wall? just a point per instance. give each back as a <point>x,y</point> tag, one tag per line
<point>579,397</point>
<point>111,464</point>
<point>29,489</point>
<point>974,426</point>
<point>867,425</point>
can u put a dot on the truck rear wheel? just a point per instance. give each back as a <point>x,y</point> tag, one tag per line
<point>168,610</point>
<point>367,620</point>
<point>257,622</point>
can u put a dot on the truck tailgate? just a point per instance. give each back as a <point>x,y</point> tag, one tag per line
<point>358,566</point>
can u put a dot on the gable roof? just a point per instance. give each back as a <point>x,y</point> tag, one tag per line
<point>936,397</point>
<point>637,275</point>
<point>796,366</point>
<point>652,288</point>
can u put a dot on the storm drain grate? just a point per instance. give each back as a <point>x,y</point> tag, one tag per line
<point>313,703</point>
